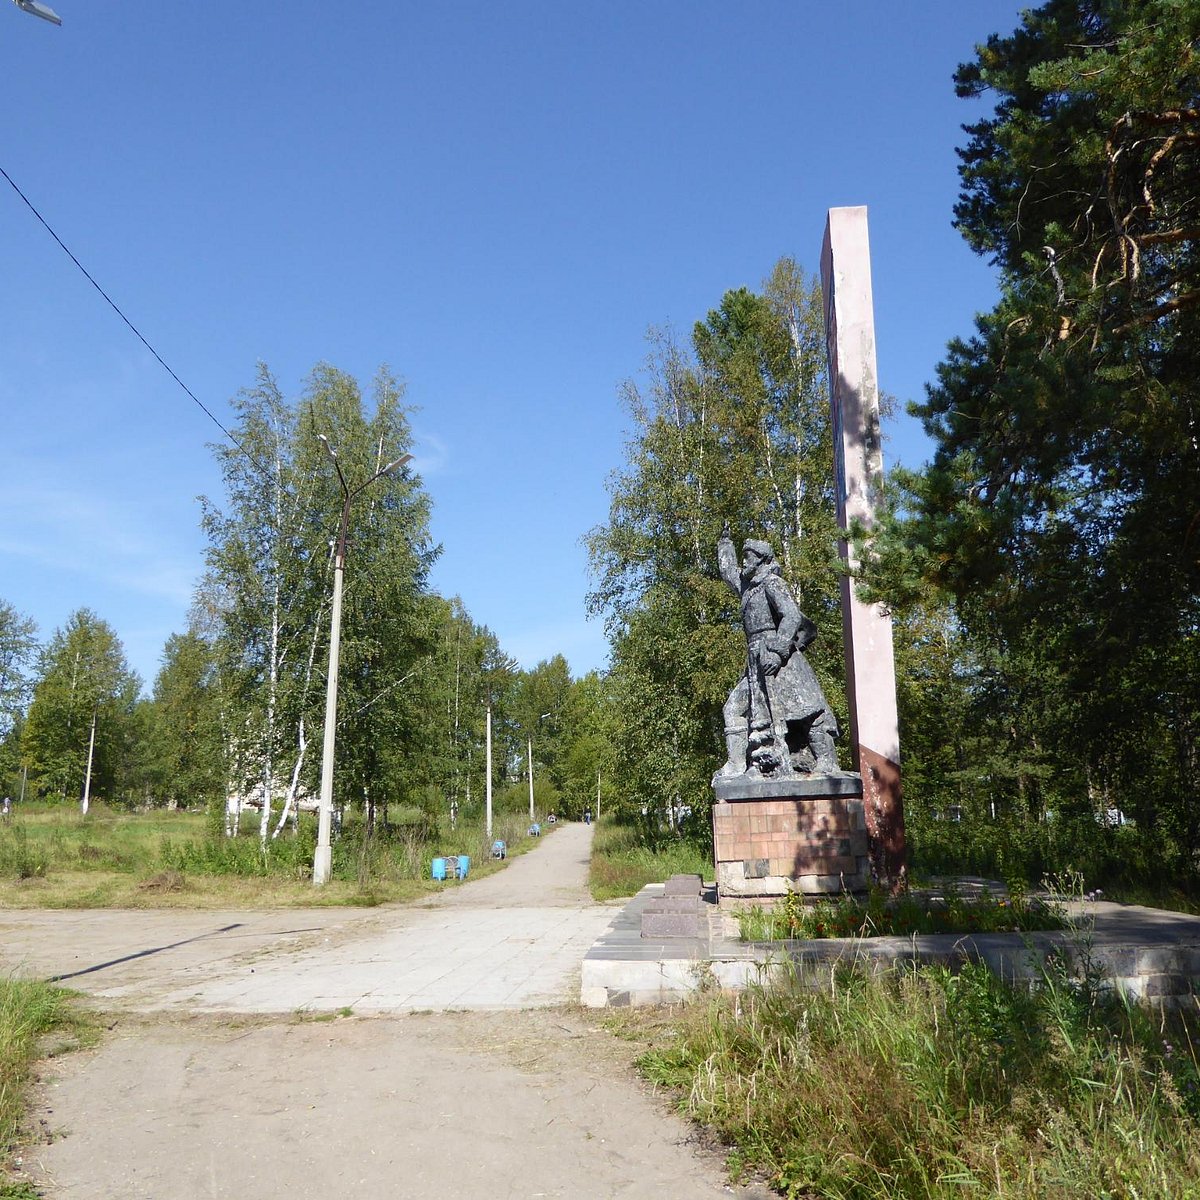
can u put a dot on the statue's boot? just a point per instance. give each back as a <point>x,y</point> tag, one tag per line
<point>821,743</point>
<point>736,745</point>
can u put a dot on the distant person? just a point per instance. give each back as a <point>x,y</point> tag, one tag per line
<point>587,816</point>
<point>7,806</point>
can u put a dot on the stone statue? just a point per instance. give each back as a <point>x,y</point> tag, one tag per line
<point>777,722</point>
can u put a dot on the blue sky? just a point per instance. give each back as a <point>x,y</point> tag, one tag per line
<point>497,200</point>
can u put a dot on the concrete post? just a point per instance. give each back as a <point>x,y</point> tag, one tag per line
<point>858,458</point>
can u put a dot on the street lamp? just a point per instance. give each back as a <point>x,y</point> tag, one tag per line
<point>488,768</point>
<point>538,722</point>
<point>323,858</point>
<point>39,10</point>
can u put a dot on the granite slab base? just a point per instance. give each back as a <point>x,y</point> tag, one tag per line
<point>1147,956</point>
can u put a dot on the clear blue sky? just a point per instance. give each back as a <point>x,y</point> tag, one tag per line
<point>495,199</point>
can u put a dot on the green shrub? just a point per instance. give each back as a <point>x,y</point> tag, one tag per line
<point>1118,859</point>
<point>28,1010</point>
<point>622,863</point>
<point>289,856</point>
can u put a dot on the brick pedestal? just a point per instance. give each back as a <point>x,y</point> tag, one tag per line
<point>807,835</point>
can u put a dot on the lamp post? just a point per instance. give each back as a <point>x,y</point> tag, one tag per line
<point>323,858</point>
<point>39,10</point>
<point>538,722</point>
<point>488,768</point>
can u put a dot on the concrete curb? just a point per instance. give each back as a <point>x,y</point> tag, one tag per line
<point>1146,955</point>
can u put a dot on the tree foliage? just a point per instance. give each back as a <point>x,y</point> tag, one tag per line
<point>1060,514</point>
<point>84,686</point>
<point>734,428</point>
<point>187,766</point>
<point>18,648</point>
<point>270,570</point>
<point>18,645</point>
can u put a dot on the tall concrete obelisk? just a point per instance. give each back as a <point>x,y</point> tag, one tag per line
<point>858,458</point>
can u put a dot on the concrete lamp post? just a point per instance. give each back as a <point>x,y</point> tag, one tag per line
<point>323,858</point>
<point>539,721</point>
<point>39,10</point>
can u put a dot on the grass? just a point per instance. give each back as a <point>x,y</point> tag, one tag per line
<point>924,1083</point>
<point>878,915</point>
<point>52,857</point>
<point>29,1011</point>
<point>622,865</point>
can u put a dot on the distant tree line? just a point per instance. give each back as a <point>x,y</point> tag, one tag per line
<point>235,715</point>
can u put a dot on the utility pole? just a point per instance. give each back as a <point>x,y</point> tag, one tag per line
<point>530,778</point>
<point>323,858</point>
<point>87,778</point>
<point>488,768</point>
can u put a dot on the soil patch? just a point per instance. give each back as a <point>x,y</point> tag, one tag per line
<point>541,1103</point>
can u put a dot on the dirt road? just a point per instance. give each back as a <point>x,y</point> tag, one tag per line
<point>208,1088</point>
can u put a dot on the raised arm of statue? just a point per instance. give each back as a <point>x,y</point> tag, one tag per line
<point>727,562</point>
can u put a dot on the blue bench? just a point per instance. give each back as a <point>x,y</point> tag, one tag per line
<point>453,866</point>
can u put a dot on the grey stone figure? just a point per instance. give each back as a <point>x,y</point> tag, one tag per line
<point>777,722</point>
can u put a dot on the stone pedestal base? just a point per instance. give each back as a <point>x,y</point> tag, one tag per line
<point>774,836</point>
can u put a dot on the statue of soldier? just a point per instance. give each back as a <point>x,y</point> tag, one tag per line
<point>776,718</point>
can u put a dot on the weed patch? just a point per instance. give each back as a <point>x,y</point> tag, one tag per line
<point>880,915</point>
<point>29,1010</point>
<point>622,864</point>
<point>923,1082</point>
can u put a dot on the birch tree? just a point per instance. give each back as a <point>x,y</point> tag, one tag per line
<point>269,564</point>
<point>18,649</point>
<point>258,544</point>
<point>733,428</point>
<point>18,646</point>
<point>82,703</point>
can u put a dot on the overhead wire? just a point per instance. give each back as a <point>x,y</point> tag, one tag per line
<point>136,332</point>
<point>325,524</point>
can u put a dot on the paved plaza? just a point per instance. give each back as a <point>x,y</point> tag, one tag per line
<point>515,939</point>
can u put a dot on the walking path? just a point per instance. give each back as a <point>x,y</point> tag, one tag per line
<point>227,1073</point>
<point>513,940</point>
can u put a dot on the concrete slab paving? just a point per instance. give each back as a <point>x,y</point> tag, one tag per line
<point>512,940</point>
<point>213,1080</point>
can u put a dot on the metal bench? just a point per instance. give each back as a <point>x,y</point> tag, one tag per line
<point>452,866</point>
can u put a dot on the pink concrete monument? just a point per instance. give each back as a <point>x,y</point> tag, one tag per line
<point>858,451</point>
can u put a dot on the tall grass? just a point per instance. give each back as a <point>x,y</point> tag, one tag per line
<point>881,915</point>
<point>622,864</point>
<point>44,838</point>
<point>924,1083</point>
<point>28,1011</point>
<point>52,856</point>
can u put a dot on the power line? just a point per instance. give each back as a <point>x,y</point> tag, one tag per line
<point>136,332</point>
<point>322,520</point>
